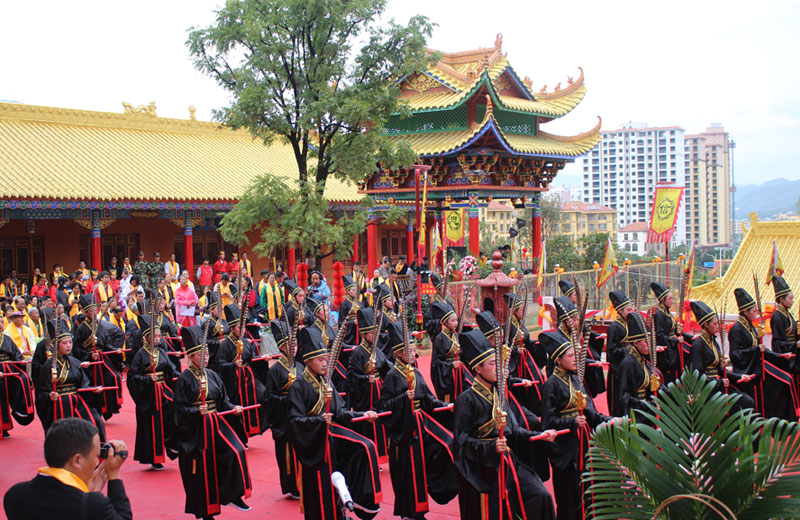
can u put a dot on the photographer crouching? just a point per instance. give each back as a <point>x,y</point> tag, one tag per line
<point>70,486</point>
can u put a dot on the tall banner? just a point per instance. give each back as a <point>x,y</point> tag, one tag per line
<point>610,266</point>
<point>436,246</point>
<point>454,227</point>
<point>664,215</point>
<point>421,246</point>
<point>689,270</point>
<point>775,265</point>
<point>542,266</point>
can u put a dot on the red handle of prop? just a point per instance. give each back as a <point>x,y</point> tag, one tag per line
<point>544,435</point>
<point>265,358</point>
<point>449,407</point>
<point>364,417</point>
<point>93,388</point>
<point>244,409</point>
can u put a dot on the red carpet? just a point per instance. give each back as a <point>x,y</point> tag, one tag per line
<point>160,494</point>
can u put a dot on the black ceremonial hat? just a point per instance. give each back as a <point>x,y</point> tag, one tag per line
<point>565,308</point>
<point>290,286</point>
<point>313,304</point>
<point>743,299</point>
<point>619,300</point>
<point>637,328</point>
<point>85,301</point>
<point>395,330</point>
<point>366,319</point>
<point>442,311</point>
<point>702,312</point>
<point>555,343</point>
<point>63,333</point>
<point>309,339</point>
<point>192,338</point>
<point>436,280</point>
<point>211,300</point>
<point>475,348</point>
<point>348,282</point>
<point>513,301</point>
<point>276,326</point>
<point>567,288</point>
<point>781,287</point>
<point>488,324</point>
<point>660,290</point>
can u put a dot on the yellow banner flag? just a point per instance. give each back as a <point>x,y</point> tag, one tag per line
<point>421,245</point>
<point>666,204</point>
<point>610,266</point>
<point>454,227</point>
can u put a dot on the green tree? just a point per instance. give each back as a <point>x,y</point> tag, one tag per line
<point>697,455</point>
<point>321,77</point>
<point>552,216</point>
<point>593,249</point>
<point>561,251</point>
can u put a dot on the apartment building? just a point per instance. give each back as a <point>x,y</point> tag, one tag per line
<point>579,219</point>
<point>708,190</point>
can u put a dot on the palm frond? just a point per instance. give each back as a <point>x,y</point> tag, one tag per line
<point>694,446</point>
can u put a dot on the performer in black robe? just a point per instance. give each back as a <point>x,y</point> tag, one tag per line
<point>420,448</point>
<point>351,335</point>
<point>431,324</point>
<point>60,398</point>
<point>43,349</point>
<point>386,305</point>
<point>563,394</point>
<point>219,326</point>
<point>280,378</point>
<point>616,349</point>
<point>16,398</point>
<point>317,416</point>
<point>151,383</point>
<point>450,375</point>
<point>91,348</point>
<point>528,359</point>
<point>484,460</point>
<point>709,359</point>
<point>367,368</point>
<point>595,377</point>
<point>639,381</point>
<point>243,387</point>
<point>772,388</point>
<point>317,312</point>
<point>212,460</point>
<point>295,300</point>
<point>673,346</point>
<point>785,339</point>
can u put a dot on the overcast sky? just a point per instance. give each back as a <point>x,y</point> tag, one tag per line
<point>685,63</point>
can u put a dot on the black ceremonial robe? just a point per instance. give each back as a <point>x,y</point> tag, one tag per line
<point>363,395</point>
<point>672,360</point>
<point>324,448</point>
<point>594,377</point>
<point>155,417</point>
<point>635,375</point>
<point>773,389</point>
<point>448,380</point>
<point>101,371</point>
<point>212,459</point>
<point>568,452</point>
<point>16,398</point>
<point>340,372</point>
<point>70,402</point>
<point>351,335</point>
<point>484,471</point>
<point>242,385</point>
<point>277,394</point>
<point>616,349</point>
<point>706,357</point>
<point>420,449</point>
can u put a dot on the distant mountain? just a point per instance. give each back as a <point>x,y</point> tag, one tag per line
<point>768,199</point>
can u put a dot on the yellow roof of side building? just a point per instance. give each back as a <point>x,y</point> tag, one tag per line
<point>56,153</point>
<point>754,256</point>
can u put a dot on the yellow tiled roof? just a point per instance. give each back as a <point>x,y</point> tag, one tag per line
<point>461,72</point>
<point>541,144</point>
<point>76,154</point>
<point>753,256</point>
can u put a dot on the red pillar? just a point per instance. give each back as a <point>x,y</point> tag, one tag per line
<point>409,241</point>
<point>290,261</point>
<point>188,251</point>
<point>355,248</point>
<point>536,229</point>
<point>96,258</point>
<point>372,245</point>
<point>474,233</point>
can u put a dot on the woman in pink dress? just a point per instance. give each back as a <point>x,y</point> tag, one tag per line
<point>185,303</point>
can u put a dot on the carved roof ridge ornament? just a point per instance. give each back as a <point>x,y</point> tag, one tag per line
<point>572,138</point>
<point>147,110</point>
<point>572,86</point>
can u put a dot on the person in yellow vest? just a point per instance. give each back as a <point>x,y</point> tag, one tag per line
<point>84,270</point>
<point>117,317</point>
<point>36,323</point>
<point>358,274</point>
<point>172,268</point>
<point>58,271</point>
<point>226,290</point>
<point>247,264</point>
<point>20,334</point>
<point>272,297</point>
<point>261,283</point>
<point>73,302</point>
<point>103,291</point>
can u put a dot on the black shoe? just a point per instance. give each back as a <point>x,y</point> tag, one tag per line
<point>157,467</point>
<point>240,505</point>
<point>294,496</point>
<point>6,434</point>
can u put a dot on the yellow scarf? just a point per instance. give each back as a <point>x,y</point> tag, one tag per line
<point>104,292</point>
<point>119,323</point>
<point>248,266</point>
<point>74,306</point>
<point>129,315</point>
<point>65,476</point>
<point>225,293</point>
<point>21,336</point>
<point>173,268</point>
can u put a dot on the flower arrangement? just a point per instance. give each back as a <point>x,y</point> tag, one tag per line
<point>467,265</point>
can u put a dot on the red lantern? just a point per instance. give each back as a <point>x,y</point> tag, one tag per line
<point>302,275</point>
<point>338,285</point>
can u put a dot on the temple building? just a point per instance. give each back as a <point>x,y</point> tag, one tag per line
<point>85,186</point>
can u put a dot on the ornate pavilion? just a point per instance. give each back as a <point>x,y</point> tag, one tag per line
<point>83,185</point>
<point>478,126</point>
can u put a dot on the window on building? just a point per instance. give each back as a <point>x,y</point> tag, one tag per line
<point>16,254</point>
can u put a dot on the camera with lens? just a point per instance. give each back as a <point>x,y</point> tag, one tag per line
<point>104,447</point>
